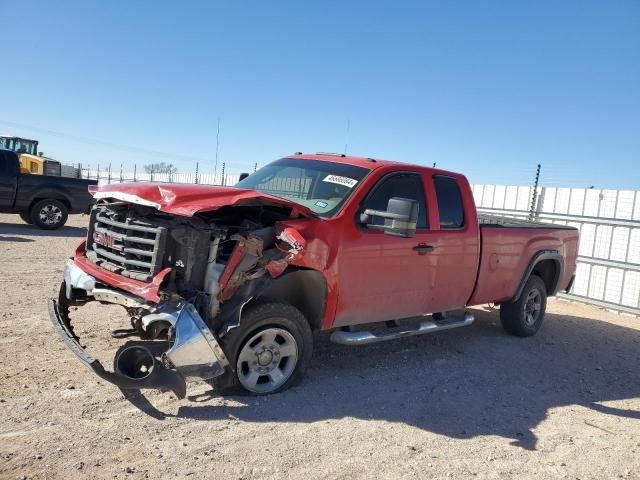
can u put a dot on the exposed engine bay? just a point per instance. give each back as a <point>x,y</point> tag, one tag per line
<point>204,268</point>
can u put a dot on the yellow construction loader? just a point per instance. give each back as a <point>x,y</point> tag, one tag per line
<point>31,161</point>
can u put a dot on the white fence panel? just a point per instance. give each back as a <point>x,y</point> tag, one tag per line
<point>608,270</point>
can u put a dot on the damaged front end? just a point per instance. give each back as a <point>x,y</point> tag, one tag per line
<point>182,281</point>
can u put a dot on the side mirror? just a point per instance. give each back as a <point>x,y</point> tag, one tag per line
<point>400,218</point>
<point>243,175</point>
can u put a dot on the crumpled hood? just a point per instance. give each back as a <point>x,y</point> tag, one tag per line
<point>187,200</point>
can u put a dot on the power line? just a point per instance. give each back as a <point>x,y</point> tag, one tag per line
<point>93,141</point>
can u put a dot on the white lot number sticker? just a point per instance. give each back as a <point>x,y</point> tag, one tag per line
<point>346,181</point>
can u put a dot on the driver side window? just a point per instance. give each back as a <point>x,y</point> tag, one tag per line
<point>403,185</point>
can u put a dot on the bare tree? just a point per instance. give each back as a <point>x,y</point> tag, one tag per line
<point>161,168</point>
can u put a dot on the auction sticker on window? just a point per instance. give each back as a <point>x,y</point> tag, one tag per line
<point>346,181</point>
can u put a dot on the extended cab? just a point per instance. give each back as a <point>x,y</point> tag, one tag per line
<point>229,283</point>
<point>43,200</point>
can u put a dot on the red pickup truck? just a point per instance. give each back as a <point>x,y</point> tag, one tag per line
<point>229,283</point>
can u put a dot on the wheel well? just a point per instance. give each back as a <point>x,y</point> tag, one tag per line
<point>62,199</point>
<point>304,289</point>
<point>548,271</point>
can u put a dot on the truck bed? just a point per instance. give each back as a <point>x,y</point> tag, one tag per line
<point>489,220</point>
<point>508,245</point>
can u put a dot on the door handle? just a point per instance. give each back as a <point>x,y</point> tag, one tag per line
<point>422,248</point>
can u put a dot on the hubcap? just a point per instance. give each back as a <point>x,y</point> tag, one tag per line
<point>532,307</point>
<point>267,360</point>
<point>50,214</point>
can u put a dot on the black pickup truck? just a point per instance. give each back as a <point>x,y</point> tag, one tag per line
<point>42,200</point>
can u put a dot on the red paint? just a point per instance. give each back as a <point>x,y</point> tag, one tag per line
<point>187,200</point>
<point>372,276</point>
<point>227,287</point>
<point>506,253</point>
<point>148,291</point>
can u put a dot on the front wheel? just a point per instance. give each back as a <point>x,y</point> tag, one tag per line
<point>49,214</point>
<point>267,352</point>
<point>523,317</point>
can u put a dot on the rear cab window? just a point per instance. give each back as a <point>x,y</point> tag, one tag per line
<point>8,164</point>
<point>450,206</point>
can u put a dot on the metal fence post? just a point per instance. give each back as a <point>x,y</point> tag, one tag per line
<point>134,172</point>
<point>534,194</point>
<point>109,177</point>
<point>196,180</point>
<point>540,204</point>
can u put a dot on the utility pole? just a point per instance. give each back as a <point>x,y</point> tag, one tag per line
<point>255,167</point>
<point>534,195</point>
<point>196,173</point>
<point>346,136</point>
<point>215,166</point>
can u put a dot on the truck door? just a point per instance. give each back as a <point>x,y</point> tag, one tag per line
<point>455,238</point>
<point>8,178</point>
<point>384,277</point>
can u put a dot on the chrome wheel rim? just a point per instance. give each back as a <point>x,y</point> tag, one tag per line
<point>50,215</point>
<point>532,307</point>
<point>267,360</point>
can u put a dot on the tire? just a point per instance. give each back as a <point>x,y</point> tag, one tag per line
<point>523,318</point>
<point>26,218</point>
<point>49,214</point>
<point>279,327</point>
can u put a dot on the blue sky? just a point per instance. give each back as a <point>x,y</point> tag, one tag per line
<point>487,88</point>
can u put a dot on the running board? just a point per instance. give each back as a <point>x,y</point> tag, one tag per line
<point>364,337</point>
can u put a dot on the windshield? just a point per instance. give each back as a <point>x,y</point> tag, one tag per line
<point>19,145</point>
<point>321,186</point>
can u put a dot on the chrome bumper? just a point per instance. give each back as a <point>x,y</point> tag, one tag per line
<point>194,354</point>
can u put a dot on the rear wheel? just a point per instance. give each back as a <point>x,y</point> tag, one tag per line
<point>49,214</point>
<point>524,317</point>
<point>26,218</point>
<point>268,352</point>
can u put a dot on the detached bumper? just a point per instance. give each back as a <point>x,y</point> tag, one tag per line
<point>193,354</point>
<point>158,378</point>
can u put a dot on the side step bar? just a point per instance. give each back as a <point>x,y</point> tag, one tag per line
<point>364,337</point>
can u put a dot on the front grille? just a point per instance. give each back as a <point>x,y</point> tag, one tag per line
<point>123,244</point>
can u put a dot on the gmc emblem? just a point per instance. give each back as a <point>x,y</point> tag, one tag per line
<point>108,240</point>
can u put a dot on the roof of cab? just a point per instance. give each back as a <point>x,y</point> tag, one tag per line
<point>19,138</point>
<point>367,162</point>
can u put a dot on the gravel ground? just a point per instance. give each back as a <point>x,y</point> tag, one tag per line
<point>473,402</point>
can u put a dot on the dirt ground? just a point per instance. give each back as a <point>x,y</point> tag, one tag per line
<point>472,402</point>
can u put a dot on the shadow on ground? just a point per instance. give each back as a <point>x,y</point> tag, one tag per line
<point>464,383</point>
<point>9,230</point>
